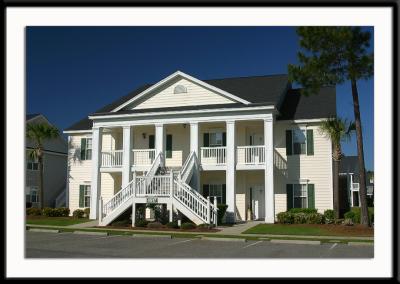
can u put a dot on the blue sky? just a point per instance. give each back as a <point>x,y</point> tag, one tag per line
<point>73,71</point>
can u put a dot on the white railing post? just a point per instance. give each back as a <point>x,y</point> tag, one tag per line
<point>215,212</point>
<point>134,183</point>
<point>208,210</point>
<point>171,184</point>
<point>100,209</point>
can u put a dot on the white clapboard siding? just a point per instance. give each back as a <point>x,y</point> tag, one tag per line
<point>196,95</point>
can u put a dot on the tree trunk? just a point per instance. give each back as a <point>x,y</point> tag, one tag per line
<point>363,192</point>
<point>336,197</point>
<point>41,194</point>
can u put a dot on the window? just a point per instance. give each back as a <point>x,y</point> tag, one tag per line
<point>34,197</point>
<point>84,196</point>
<point>86,148</point>
<point>215,190</point>
<point>300,196</point>
<point>180,89</point>
<point>216,139</point>
<point>299,141</point>
<point>32,165</point>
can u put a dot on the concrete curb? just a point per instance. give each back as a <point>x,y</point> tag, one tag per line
<point>297,242</point>
<point>360,243</point>
<point>264,239</point>
<point>44,230</point>
<point>148,236</point>
<point>91,233</point>
<point>224,239</point>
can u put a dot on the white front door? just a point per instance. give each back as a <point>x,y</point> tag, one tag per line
<point>258,202</point>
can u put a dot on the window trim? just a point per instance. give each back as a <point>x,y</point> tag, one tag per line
<point>306,196</point>
<point>85,188</point>
<point>87,149</point>
<point>36,190</point>
<point>32,162</point>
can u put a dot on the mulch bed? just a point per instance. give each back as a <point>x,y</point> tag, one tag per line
<point>202,230</point>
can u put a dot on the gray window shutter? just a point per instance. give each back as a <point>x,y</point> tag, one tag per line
<point>288,142</point>
<point>223,138</point>
<point>310,142</point>
<point>224,194</point>
<point>151,142</point>
<point>289,196</point>
<point>311,196</point>
<point>168,149</point>
<point>206,139</point>
<point>81,196</point>
<point>83,149</point>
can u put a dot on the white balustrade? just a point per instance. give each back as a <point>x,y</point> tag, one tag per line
<point>251,155</point>
<point>111,159</point>
<point>157,186</point>
<point>143,157</point>
<point>213,155</point>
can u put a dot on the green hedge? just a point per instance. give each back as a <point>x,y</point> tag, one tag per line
<point>303,210</point>
<point>55,212</point>
<point>141,223</point>
<point>355,214</point>
<point>78,213</point>
<point>187,226</point>
<point>329,216</point>
<point>173,225</point>
<point>300,217</point>
<point>33,211</point>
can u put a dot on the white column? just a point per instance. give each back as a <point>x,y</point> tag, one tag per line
<point>95,188</point>
<point>269,170</point>
<point>194,137</point>
<point>126,155</point>
<point>160,140</point>
<point>230,171</point>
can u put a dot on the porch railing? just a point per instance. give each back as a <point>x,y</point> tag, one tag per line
<point>213,155</point>
<point>157,186</point>
<point>143,157</point>
<point>111,159</point>
<point>250,155</point>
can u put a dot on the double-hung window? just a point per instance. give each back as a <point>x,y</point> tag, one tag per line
<point>84,196</point>
<point>33,195</point>
<point>215,191</point>
<point>300,195</point>
<point>32,165</point>
<point>300,142</point>
<point>86,148</point>
<point>300,198</point>
<point>216,139</point>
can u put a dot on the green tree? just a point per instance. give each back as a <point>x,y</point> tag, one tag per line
<point>330,56</point>
<point>337,130</point>
<point>38,133</point>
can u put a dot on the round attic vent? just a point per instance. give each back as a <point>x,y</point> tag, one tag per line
<point>180,89</point>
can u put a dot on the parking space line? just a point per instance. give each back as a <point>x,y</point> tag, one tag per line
<point>333,246</point>
<point>181,242</point>
<point>252,244</point>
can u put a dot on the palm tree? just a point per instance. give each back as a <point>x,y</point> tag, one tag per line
<point>38,133</point>
<point>337,130</point>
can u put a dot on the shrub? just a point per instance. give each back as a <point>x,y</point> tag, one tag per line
<point>62,212</point>
<point>357,214</point>
<point>221,212</point>
<point>285,218</point>
<point>303,210</point>
<point>348,222</point>
<point>204,226</point>
<point>33,211</point>
<point>140,213</point>
<point>329,216</point>
<point>49,212</point>
<point>141,223</point>
<point>172,225</point>
<point>299,218</point>
<point>349,215</point>
<point>78,213</point>
<point>188,226</point>
<point>154,225</point>
<point>315,218</point>
<point>87,212</point>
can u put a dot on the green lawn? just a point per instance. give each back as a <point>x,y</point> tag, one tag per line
<point>54,221</point>
<point>310,230</point>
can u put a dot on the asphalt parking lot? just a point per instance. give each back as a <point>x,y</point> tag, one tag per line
<point>69,245</point>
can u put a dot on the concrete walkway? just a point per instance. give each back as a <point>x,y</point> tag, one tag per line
<point>84,225</point>
<point>237,229</point>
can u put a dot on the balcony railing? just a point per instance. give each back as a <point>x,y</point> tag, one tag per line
<point>143,157</point>
<point>250,155</point>
<point>213,155</point>
<point>111,159</point>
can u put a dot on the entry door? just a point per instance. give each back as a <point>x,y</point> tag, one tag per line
<point>258,201</point>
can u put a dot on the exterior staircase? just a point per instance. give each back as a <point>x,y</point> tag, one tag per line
<point>161,182</point>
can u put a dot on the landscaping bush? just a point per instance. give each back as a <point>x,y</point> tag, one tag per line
<point>140,213</point>
<point>62,212</point>
<point>349,216</point>
<point>78,213</point>
<point>329,216</point>
<point>188,226</point>
<point>49,212</point>
<point>357,214</point>
<point>285,218</point>
<point>315,218</point>
<point>33,211</point>
<point>121,223</point>
<point>204,226</point>
<point>141,223</point>
<point>154,225</point>
<point>303,210</point>
<point>348,222</point>
<point>172,225</point>
<point>87,212</point>
<point>221,212</point>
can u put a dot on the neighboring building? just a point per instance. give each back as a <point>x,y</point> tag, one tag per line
<point>251,142</point>
<point>54,170</point>
<point>350,181</point>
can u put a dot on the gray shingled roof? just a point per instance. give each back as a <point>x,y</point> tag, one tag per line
<point>259,90</point>
<point>30,116</point>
